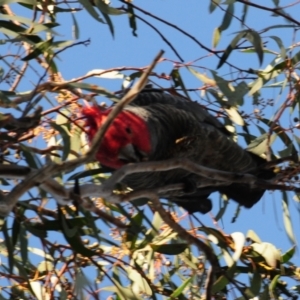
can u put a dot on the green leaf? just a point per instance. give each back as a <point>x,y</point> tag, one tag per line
<point>75,26</point>
<point>169,249</point>
<point>271,71</point>
<point>228,90</point>
<point>296,58</point>
<point>123,293</point>
<point>255,283</point>
<point>235,116</point>
<point>213,5</point>
<point>15,232</point>
<point>279,26</point>
<point>72,237</point>
<point>239,242</point>
<point>253,236</point>
<point>40,48</point>
<point>240,90</point>
<point>31,158</point>
<point>216,37</point>
<point>66,139</point>
<point>103,8</point>
<point>245,11</point>
<point>34,27</point>
<point>132,20</point>
<point>100,73</point>
<point>273,285</point>
<point>287,219</point>
<point>178,82</point>
<point>61,44</point>
<point>280,132</point>
<point>222,210</point>
<point>87,173</point>
<point>223,280</point>
<point>44,27</point>
<point>181,288</point>
<point>139,283</point>
<point>154,231</point>
<point>205,79</point>
<point>93,88</point>
<point>227,18</point>
<point>45,266</point>
<point>5,101</point>
<point>24,244</point>
<point>90,9</point>
<point>221,240</point>
<point>268,251</point>
<point>81,283</point>
<point>260,144</point>
<point>28,38</point>
<point>280,45</point>
<point>254,38</point>
<point>133,230</point>
<point>9,247</point>
<point>287,256</point>
<point>231,47</point>
<point>49,59</point>
<point>13,27</point>
<point>36,232</point>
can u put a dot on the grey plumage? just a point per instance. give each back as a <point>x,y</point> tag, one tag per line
<point>181,128</point>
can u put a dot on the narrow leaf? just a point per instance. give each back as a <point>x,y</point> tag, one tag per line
<point>75,27</point>
<point>181,288</point>
<point>239,242</point>
<point>287,256</point>
<point>254,38</point>
<point>255,282</point>
<point>169,249</point>
<point>253,236</point>
<point>287,219</point>
<point>9,247</point>
<point>216,37</point>
<point>205,79</point>
<point>66,139</point>
<point>90,9</point>
<point>231,47</point>
<point>227,18</point>
<point>39,49</point>
<point>132,20</point>
<point>280,45</point>
<point>213,5</point>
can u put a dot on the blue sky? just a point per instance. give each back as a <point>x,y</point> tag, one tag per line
<point>106,52</point>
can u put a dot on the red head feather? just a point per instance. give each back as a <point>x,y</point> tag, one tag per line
<point>127,130</point>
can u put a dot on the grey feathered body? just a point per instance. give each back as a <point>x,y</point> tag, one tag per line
<point>183,129</point>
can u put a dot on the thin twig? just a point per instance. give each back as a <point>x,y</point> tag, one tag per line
<point>277,10</point>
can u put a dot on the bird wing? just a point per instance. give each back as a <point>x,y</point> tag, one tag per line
<point>150,97</point>
<point>182,128</point>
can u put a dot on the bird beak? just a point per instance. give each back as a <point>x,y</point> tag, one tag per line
<point>130,153</point>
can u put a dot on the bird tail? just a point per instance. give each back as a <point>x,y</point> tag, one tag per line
<point>243,193</point>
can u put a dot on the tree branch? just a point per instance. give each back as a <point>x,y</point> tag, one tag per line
<point>38,177</point>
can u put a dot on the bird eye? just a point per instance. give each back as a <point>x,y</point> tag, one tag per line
<point>128,130</point>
